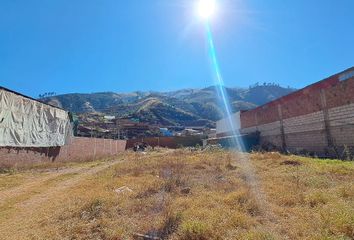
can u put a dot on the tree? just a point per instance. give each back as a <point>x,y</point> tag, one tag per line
<point>46,94</point>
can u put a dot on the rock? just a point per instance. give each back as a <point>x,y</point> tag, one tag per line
<point>123,190</point>
<point>186,190</point>
<point>220,178</point>
<point>139,236</point>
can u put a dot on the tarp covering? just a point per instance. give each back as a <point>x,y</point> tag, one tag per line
<point>25,122</point>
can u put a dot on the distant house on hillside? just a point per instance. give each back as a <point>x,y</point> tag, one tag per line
<point>191,132</point>
<point>166,132</point>
<point>109,118</point>
<point>132,129</point>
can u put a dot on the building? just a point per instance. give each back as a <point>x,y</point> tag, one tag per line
<point>32,132</point>
<point>317,119</point>
<point>26,122</point>
<point>166,132</point>
<point>129,128</point>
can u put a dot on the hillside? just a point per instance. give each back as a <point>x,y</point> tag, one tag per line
<point>191,107</point>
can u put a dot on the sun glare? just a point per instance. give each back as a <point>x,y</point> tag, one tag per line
<point>206,9</point>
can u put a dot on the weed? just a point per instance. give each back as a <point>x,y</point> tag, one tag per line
<point>173,183</point>
<point>346,192</point>
<point>338,221</point>
<point>313,200</point>
<point>316,198</point>
<point>258,235</point>
<point>92,210</point>
<point>7,170</point>
<point>170,225</point>
<point>147,193</point>
<point>241,220</point>
<point>244,200</point>
<point>347,153</point>
<point>195,230</point>
<point>291,163</point>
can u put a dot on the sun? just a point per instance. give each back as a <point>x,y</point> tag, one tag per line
<point>206,9</point>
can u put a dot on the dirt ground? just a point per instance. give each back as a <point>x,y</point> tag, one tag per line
<point>181,194</point>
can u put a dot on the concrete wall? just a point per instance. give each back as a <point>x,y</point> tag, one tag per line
<point>318,118</point>
<point>80,149</point>
<point>224,124</point>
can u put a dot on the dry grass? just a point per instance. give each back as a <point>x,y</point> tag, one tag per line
<point>182,195</point>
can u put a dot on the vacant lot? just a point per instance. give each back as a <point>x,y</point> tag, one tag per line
<point>181,195</point>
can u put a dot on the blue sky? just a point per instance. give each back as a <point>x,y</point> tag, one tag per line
<point>127,45</point>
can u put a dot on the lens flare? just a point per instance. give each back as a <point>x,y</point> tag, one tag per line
<point>221,91</point>
<point>206,9</point>
<point>236,142</point>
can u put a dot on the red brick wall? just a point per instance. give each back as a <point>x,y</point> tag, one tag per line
<point>303,118</point>
<point>267,114</point>
<point>169,142</point>
<point>340,94</point>
<point>304,101</point>
<point>80,149</point>
<point>248,118</point>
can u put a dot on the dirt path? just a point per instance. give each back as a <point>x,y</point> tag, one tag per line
<point>24,200</point>
<point>57,188</point>
<point>35,181</point>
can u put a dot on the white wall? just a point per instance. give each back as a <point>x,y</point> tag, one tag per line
<point>223,125</point>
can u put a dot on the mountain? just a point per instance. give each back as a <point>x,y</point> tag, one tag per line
<point>187,107</point>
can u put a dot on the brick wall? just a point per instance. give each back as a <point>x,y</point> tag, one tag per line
<point>342,124</point>
<point>80,149</point>
<point>169,142</point>
<point>318,118</point>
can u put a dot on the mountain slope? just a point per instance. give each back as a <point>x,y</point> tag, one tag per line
<point>188,107</point>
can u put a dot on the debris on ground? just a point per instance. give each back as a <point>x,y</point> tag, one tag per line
<point>140,147</point>
<point>231,167</point>
<point>139,236</point>
<point>123,190</point>
<point>186,190</point>
<point>212,147</point>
